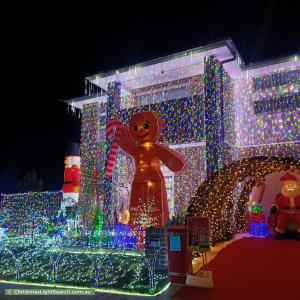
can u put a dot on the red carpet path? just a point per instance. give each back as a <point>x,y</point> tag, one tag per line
<point>253,269</point>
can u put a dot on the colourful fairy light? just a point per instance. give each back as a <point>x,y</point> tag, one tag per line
<point>233,129</point>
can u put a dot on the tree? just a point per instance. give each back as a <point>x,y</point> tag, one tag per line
<point>30,183</point>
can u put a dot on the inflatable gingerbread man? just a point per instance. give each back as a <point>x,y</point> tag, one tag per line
<point>287,205</point>
<point>139,141</point>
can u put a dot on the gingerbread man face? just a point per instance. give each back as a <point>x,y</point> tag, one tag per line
<point>145,127</point>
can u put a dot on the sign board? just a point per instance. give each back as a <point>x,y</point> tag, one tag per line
<point>198,234</point>
<point>175,242</point>
<point>154,243</point>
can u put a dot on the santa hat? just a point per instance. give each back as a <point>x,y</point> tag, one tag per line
<point>288,177</point>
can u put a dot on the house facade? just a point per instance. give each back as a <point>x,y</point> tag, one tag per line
<point>215,110</point>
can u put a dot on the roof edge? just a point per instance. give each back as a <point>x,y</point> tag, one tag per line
<point>219,43</point>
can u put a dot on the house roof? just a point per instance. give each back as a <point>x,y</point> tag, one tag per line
<point>181,65</point>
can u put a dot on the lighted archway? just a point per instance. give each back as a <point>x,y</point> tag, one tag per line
<point>215,197</point>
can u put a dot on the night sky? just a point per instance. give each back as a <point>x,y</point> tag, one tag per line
<point>49,50</point>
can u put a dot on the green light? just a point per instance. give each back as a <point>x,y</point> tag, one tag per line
<point>256,208</point>
<point>100,251</point>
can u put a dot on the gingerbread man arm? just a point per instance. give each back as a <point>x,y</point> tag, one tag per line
<point>173,160</point>
<point>126,142</point>
<point>120,134</point>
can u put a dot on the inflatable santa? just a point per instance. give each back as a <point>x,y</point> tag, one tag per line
<point>287,205</point>
<point>71,176</point>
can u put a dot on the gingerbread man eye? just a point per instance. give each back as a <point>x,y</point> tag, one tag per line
<point>135,128</point>
<point>146,125</point>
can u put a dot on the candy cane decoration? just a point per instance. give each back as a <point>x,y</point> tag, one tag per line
<point>113,131</point>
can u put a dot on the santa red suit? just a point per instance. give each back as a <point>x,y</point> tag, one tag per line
<point>71,180</point>
<point>288,205</point>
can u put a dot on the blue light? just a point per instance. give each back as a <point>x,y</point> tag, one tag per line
<point>258,229</point>
<point>122,237</point>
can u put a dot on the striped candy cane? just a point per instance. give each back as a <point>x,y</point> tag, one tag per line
<point>113,131</point>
